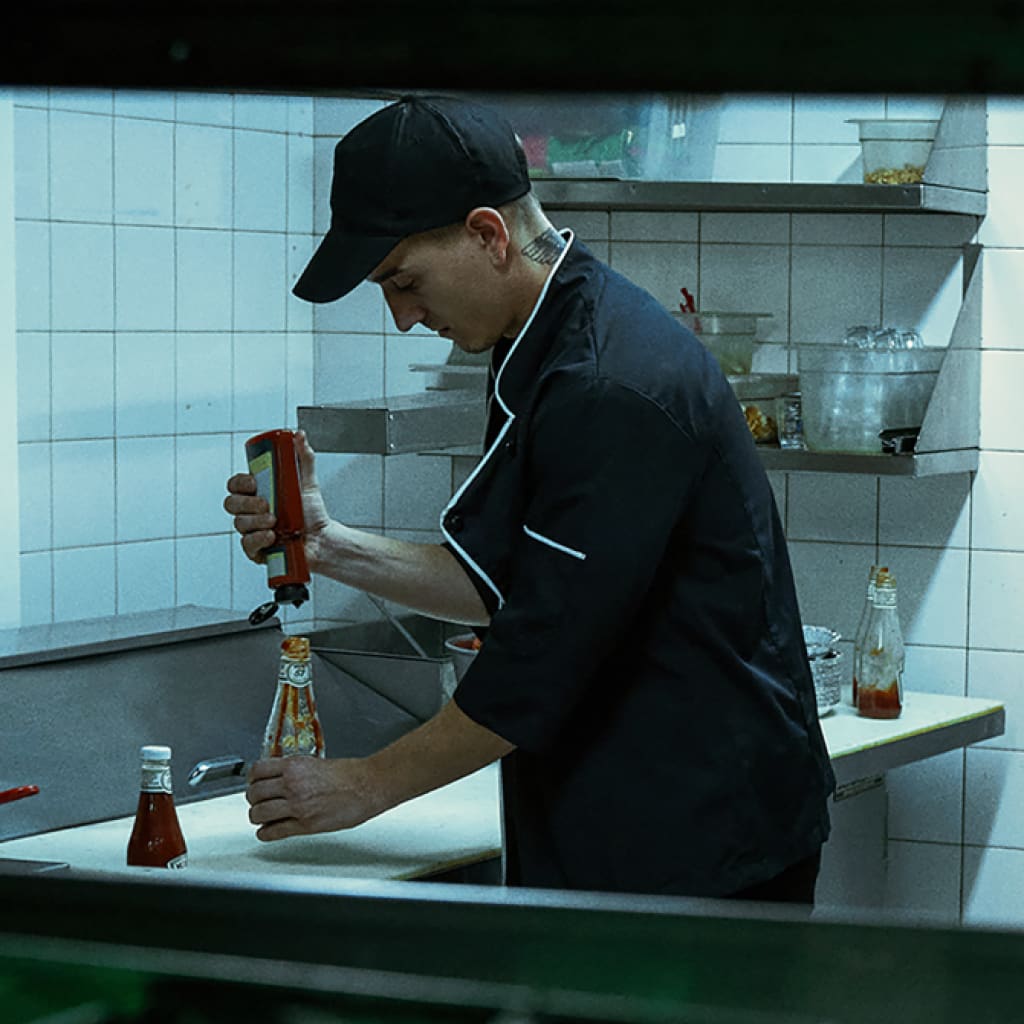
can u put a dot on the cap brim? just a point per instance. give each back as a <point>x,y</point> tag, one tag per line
<point>340,263</point>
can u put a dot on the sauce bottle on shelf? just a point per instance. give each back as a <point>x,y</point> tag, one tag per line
<point>156,840</point>
<point>294,726</point>
<point>880,669</point>
<point>858,637</point>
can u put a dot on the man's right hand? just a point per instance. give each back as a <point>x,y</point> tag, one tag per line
<point>252,518</point>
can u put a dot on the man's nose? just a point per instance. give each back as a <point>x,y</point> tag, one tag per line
<point>406,314</point>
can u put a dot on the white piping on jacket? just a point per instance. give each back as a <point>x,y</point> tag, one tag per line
<point>554,544</point>
<point>569,237</point>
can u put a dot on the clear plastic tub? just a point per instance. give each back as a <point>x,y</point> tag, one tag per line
<point>895,152</point>
<point>634,135</point>
<point>850,394</point>
<point>730,337</point>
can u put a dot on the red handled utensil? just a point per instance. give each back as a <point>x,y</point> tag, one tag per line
<point>7,795</point>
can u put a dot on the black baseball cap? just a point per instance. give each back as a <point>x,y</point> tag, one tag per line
<point>422,162</point>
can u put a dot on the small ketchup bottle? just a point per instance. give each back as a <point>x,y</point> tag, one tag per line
<point>156,840</point>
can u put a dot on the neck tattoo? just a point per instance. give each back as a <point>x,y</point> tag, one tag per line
<point>545,248</point>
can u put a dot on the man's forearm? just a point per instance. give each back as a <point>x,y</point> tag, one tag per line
<point>447,747</point>
<point>424,577</point>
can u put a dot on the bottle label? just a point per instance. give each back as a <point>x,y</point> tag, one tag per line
<point>296,673</point>
<point>178,862</point>
<point>156,778</point>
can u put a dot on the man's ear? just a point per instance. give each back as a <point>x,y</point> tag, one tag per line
<point>491,231</point>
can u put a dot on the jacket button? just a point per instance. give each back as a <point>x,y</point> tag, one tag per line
<point>453,521</point>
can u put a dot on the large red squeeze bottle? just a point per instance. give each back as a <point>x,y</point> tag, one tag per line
<point>274,462</point>
<point>156,840</point>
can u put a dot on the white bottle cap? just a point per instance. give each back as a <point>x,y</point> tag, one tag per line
<point>156,753</point>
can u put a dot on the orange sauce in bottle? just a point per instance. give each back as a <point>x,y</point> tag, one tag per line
<point>874,702</point>
<point>156,840</point>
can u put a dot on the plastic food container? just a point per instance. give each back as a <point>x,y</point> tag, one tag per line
<point>729,337</point>
<point>759,394</point>
<point>849,394</point>
<point>895,152</point>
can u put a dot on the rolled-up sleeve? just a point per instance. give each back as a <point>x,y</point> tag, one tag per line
<point>608,478</point>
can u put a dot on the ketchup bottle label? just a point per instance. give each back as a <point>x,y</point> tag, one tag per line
<point>156,779</point>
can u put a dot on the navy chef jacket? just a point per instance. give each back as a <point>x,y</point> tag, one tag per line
<point>645,652</point>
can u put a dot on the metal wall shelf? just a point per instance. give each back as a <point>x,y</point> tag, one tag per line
<point>396,425</point>
<point>780,197</point>
<point>964,460</point>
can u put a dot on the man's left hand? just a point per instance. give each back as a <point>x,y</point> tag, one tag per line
<point>291,796</point>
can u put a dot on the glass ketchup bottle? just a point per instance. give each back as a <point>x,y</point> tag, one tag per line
<point>862,628</point>
<point>294,726</point>
<point>880,669</point>
<point>156,840</point>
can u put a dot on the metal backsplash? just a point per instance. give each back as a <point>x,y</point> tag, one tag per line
<point>73,725</point>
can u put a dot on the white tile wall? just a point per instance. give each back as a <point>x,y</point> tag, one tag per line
<point>833,507</point>
<point>144,394</point>
<point>84,583</point>
<point>933,511</point>
<point>202,463</point>
<point>32,275</point>
<point>203,391</point>
<point>203,176</point>
<point>145,576</point>
<point>923,879</point>
<point>926,801</point>
<point>204,276</point>
<point>144,103</point>
<point>145,488</point>
<point>992,894</point>
<point>923,288</point>
<point>259,273</point>
<point>83,493</point>
<point>833,287</point>
<point>997,675</point>
<point>152,284</point>
<point>203,571</point>
<point>144,275</point>
<point>261,181</point>
<point>34,495</point>
<point>660,267</point>
<point>82,385</point>
<point>416,488</point>
<point>81,167</point>
<point>143,172</point>
<point>353,487</point>
<point>37,588</point>
<point>82,275</point>
<point>260,382</point>
<point>1004,272</point>
<point>32,164</point>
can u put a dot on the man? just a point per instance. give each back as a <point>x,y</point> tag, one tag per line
<point>643,675</point>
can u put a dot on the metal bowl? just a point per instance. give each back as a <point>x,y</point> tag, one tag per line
<point>819,640</point>
<point>828,679</point>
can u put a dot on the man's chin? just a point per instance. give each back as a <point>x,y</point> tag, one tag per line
<point>472,345</point>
